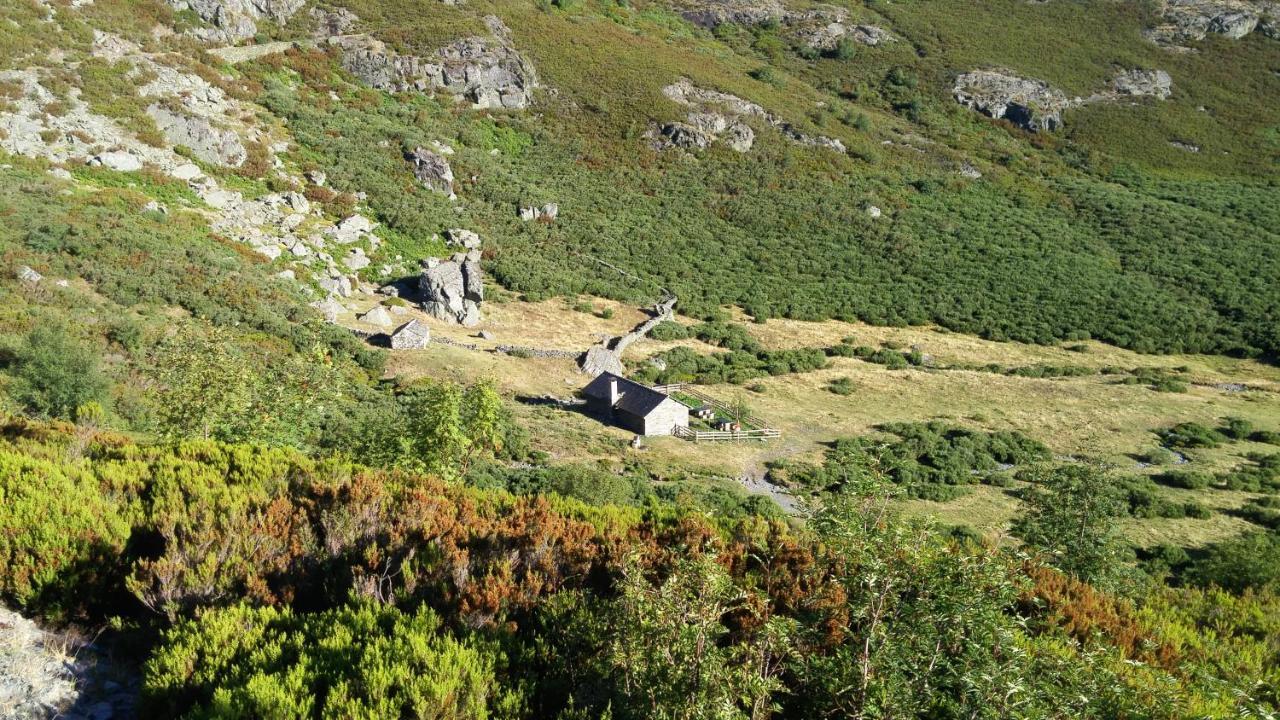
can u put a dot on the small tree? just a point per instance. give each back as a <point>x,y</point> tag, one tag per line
<point>55,374</point>
<point>1070,516</point>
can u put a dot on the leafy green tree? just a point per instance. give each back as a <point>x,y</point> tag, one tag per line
<point>925,630</point>
<point>55,374</point>
<point>1071,517</point>
<point>669,647</point>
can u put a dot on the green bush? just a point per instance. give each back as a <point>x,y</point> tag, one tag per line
<point>1191,435</point>
<point>54,373</point>
<point>841,386</point>
<point>361,660</point>
<point>60,534</point>
<point>1188,479</point>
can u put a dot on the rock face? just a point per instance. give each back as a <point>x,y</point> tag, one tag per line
<point>432,170</point>
<point>236,20</point>
<point>413,335</point>
<point>330,23</point>
<point>1030,104</point>
<point>210,144</point>
<point>718,117</point>
<point>1185,21</point>
<point>453,290</point>
<point>488,71</point>
<point>1036,106</point>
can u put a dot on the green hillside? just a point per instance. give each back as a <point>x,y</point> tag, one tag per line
<point>297,298</point>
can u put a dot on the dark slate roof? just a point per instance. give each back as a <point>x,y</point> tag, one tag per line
<point>636,398</point>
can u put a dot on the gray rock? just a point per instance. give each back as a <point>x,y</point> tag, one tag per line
<point>1030,104</point>
<point>236,20</point>
<point>117,160</point>
<point>413,335</point>
<point>316,177</point>
<point>329,23</point>
<point>340,285</point>
<point>356,259</point>
<point>874,212</point>
<point>487,71</point>
<point>453,290</point>
<point>486,335</point>
<point>432,171</point>
<point>462,238</point>
<point>29,276</point>
<point>1186,21</point>
<point>378,315</point>
<point>187,171</point>
<point>716,115</point>
<point>1143,83</point>
<point>210,144</point>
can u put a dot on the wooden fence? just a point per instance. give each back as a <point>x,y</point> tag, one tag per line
<point>726,435</point>
<point>762,431</point>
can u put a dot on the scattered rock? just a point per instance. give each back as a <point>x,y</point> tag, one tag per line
<point>316,177</point>
<point>969,171</point>
<point>340,285</point>
<point>453,290</point>
<point>356,259</point>
<point>546,212</point>
<point>432,171</point>
<point>873,211</point>
<point>1185,147</point>
<point>61,173</point>
<point>413,335</point>
<point>716,116</point>
<point>329,309</point>
<point>330,23</point>
<point>155,207</point>
<point>485,335</point>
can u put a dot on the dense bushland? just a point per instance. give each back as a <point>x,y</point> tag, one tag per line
<point>287,586</point>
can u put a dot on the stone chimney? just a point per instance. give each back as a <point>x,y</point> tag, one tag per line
<point>613,391</point>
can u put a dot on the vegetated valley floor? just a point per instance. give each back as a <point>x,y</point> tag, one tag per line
<point>1089,415</point>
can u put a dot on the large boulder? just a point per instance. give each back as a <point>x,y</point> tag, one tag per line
<point>1030,104</point>
<point>210,144</point>
<point>432,170</point>
<point>413,335</point>
<point>453,290</point>
<point>716,116</point>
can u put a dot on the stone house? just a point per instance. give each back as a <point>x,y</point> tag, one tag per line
<point>633,406</point>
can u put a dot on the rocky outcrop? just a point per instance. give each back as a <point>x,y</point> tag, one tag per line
<point>452,290</point>
<point>1036,106</point>
<point>1030,104</point>
<point>210,144</point>
<point>821,27</point>
<point>236,20</point>
<point>1186,21</point>
<point>432,170</point>
<point>545,213</point>
<point>329,23</point>
<point>716,116</point>
<point>488,71</point>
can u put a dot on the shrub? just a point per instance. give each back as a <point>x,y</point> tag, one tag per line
<point>1237,428</point>
<point>1188,479</point>
<point>1250,561</point>
<point>841,386</point>
<point>60,536</point>
<point>668,330</point>
<point>1191,435</point>
<point>361,660</point>
<point>54,373</point>
<point>1159,456</point>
